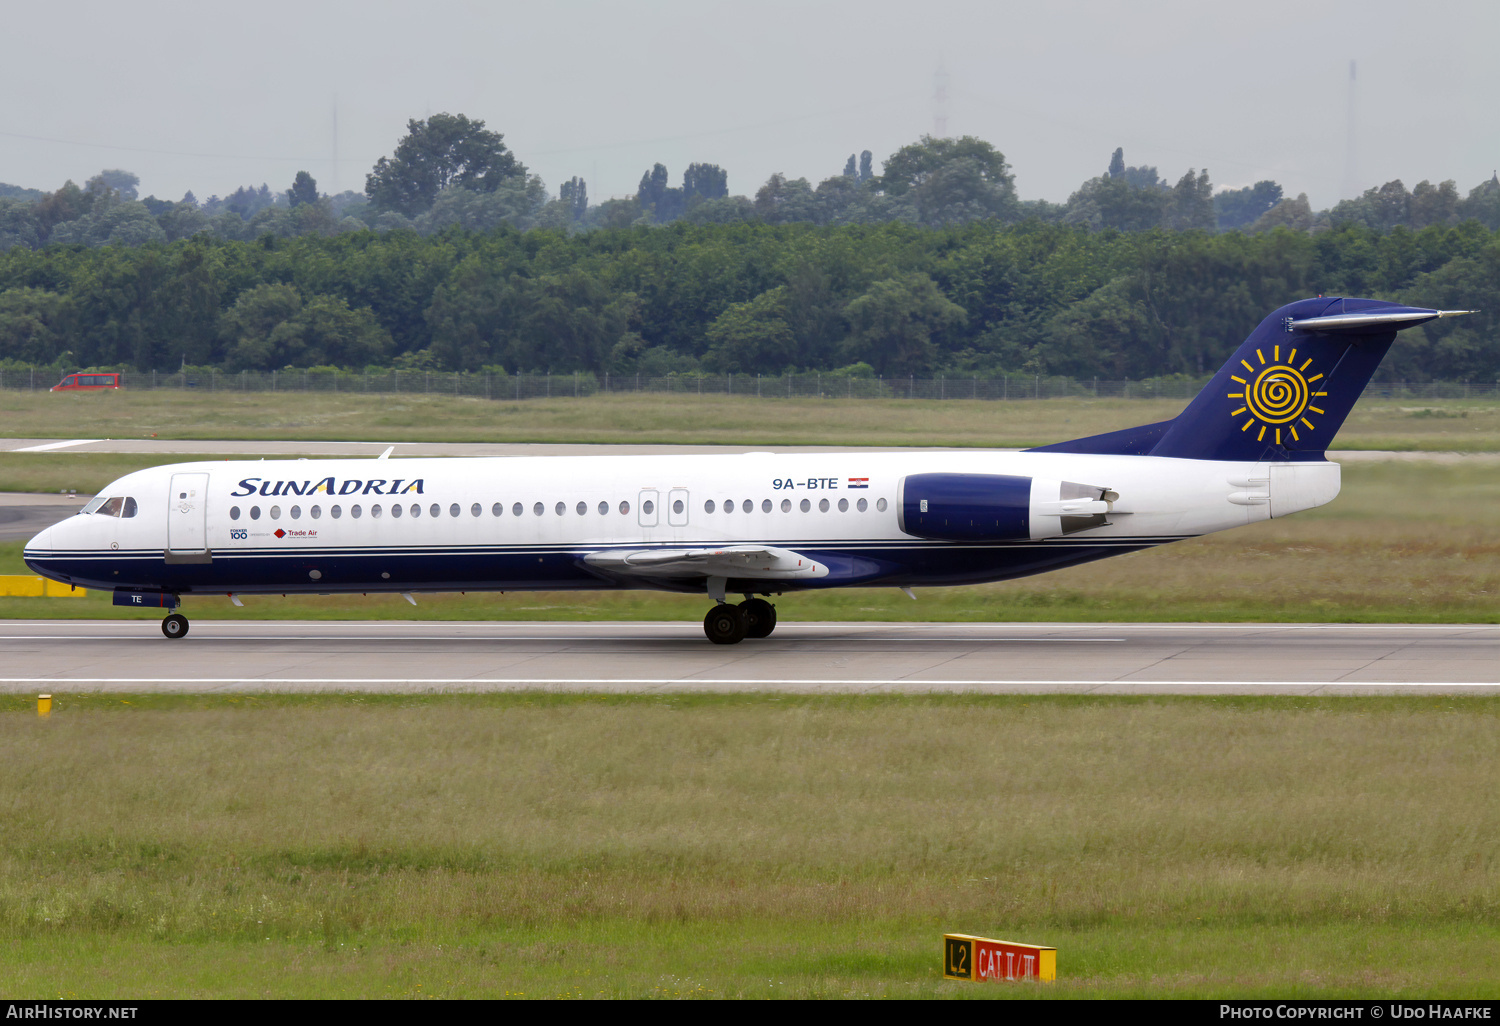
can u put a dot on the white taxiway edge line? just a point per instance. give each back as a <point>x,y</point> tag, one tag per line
<point>59,445</point>
<point>760,681</point>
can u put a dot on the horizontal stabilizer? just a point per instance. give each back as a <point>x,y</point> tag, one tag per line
<point>759,562</point>
<point>1370,322</point>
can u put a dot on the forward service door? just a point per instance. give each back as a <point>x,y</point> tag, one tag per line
<point>187,516</point>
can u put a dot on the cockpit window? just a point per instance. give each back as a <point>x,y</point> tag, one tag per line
<point>111,506</point>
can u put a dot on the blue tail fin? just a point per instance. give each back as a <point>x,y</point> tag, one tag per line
<point>1284,393</point>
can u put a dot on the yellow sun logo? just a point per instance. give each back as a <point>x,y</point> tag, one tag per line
<point>1278,395</point>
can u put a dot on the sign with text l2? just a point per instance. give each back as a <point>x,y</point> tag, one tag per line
<point>980,958</point>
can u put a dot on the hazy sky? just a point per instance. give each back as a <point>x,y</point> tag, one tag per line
<point>208,96</point>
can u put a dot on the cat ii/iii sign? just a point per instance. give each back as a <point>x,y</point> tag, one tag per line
<point>980,958</point>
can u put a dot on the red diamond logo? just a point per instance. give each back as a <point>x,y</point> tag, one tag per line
<point>280,533</point>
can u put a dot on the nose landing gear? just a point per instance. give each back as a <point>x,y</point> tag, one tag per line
<point>175,626</point>
<point>726,624</point>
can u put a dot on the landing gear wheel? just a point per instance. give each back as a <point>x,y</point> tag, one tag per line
<point>175,626</point>
<point>762,617</point>
<point>726,624</point>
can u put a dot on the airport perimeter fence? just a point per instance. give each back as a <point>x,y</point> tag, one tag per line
<point>786,386</point>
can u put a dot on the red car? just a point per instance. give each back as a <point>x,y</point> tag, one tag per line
<point>86,382</point>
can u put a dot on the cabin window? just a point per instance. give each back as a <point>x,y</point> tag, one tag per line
<point>355,511</point>
<point>453,510</point>
<point>583,508</point>
<point>862,505</point>
<point>396,510</point>
<point>677,506</point>
<point>708,507</point>
<point>880,505</point>
<point>476,509</point>
<point>416,509</point>
<point>648,507</point>
<point>254,512</point>
<point>786,505</point>
<point>234,512</point>
<point>624,508</point>
<point>498,509</point>
<point>375,510</point>
<point>275,512</point>
<point>316,511</point>
<point>538,509</point>
<point>517,509</point>
<point>296,512</point>
<point>822,505</point>
<point>843,505</point>
<point>435,510</point>
<point>335,512</point>
<point>806,505</point>
<point>604,509</point>
<point>765,505</point>
<point>561,507</point>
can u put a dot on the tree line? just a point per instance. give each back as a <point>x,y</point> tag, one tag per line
<point>449,170</point>
<point>892,299</point>
<point>456,257</point>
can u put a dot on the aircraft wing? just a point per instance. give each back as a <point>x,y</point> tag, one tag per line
<point>758,562</point>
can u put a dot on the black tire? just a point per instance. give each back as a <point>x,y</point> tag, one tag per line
<point>725,624</point>
<point>175,626</point>
<point>761,616</point>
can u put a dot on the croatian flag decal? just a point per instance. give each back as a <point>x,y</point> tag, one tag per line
<point>859,482</point>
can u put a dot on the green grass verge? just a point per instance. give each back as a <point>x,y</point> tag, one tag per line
<point>1450,424</point>
<point>1405,542</point>
<point>731,845</point>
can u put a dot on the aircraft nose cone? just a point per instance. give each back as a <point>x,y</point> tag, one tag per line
<point>42,541</point>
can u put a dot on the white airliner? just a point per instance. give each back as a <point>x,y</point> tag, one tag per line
<point>1250,446</point>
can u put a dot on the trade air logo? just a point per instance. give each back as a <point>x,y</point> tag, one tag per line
<point>1277,396</point>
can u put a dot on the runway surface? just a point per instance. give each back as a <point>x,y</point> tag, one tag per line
<point>406,657</point>
<point>23,514</point>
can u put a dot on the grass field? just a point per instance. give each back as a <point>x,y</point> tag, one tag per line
<point>1404,542</point>
<point>548,846</point>
<point>1460,425</point>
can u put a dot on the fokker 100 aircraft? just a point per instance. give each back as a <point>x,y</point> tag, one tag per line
<point>1250,446</point>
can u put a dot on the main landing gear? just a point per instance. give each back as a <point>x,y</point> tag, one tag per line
<point>175,626</point>
<point>728,624</point>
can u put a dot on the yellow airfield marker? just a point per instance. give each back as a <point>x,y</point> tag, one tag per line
<point>44,706</point>
<point>981,959</point>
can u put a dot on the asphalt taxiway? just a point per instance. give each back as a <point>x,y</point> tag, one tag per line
<point>418,657</point>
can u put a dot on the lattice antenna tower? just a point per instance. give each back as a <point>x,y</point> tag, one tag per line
<point>334,184</point>
<point>940,102</point>
<point>1351,143</point>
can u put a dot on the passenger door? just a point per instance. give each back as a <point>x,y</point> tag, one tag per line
<point>677,507</point>
<point>187,514</point>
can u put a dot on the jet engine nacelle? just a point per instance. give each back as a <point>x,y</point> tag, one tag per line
<point>998,507</point>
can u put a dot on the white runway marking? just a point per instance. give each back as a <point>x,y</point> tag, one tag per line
<point>58,445</point>
<point>575,639</point>
<point>758,682</point>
